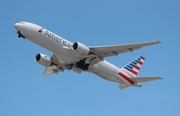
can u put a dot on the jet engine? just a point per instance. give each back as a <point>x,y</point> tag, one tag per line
<point>43,59</point>
<point>81,48</point>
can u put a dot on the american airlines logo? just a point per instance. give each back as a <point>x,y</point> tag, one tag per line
<point>40,30</point>
<point>57,38</point>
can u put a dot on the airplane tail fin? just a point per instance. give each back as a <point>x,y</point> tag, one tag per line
<point>129,73</point>
<point>132,68</point>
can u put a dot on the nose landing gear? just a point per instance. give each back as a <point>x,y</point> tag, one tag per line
<point>20,34</point>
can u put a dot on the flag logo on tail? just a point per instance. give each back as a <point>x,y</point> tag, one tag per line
<point>133,67</point>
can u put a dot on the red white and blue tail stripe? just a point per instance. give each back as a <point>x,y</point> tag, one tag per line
<point>131,69</point>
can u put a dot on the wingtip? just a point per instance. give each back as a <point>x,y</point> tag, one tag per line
<point>158,41</point>
<point>161,78</point>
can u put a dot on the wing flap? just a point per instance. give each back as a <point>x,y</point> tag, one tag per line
<point>145,79</point>
<point>48,70</point>
<point>123,86</point>
<point>52,69</point>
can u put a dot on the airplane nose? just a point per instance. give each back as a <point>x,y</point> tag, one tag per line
<point>18,26</point>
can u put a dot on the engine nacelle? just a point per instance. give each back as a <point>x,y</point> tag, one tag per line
<point>43,59</point>
<point>81,48</point>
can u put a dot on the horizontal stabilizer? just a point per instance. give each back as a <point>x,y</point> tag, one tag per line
<point>123,86</point>
<point>145,79</point>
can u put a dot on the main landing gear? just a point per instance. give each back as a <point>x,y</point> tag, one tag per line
<point>82,65</point>
<point>20,35</point>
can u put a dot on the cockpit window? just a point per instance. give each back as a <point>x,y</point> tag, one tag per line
<point>22,22</point>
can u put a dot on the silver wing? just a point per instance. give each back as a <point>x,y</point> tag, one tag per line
<point>114,50</point>
<point>98,53</point>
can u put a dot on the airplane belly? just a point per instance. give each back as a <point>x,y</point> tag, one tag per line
<point>107,72</point>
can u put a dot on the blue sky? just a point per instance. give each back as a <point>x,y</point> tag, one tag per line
<point>24,91</point>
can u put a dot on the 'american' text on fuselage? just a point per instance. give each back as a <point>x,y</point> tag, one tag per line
<point>58,39</point>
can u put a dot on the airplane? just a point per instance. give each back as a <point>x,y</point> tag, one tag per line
<point>79,57</point>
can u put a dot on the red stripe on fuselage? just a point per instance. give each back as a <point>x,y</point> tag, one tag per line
<point>126,78</point>
<point>129,73</point>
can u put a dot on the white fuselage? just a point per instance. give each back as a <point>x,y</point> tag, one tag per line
<point>58,45</point>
